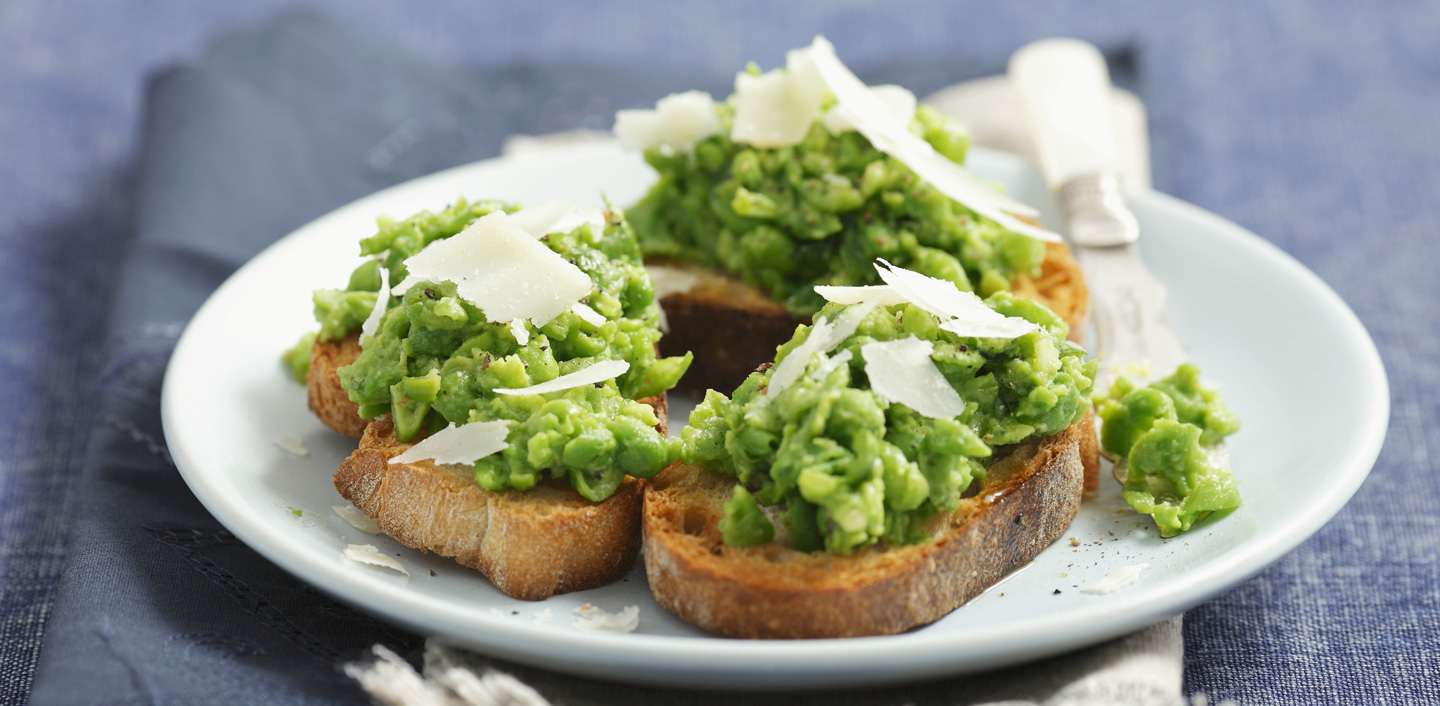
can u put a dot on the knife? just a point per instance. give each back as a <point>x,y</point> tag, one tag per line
<point>1064,91</point>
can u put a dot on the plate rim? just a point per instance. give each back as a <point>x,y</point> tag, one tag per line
<point>714,662</point>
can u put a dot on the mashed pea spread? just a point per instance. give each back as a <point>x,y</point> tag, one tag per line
<point>1163,430</point>
<point>820,208</point>
<point>436,358</point>
<point>847,465</point>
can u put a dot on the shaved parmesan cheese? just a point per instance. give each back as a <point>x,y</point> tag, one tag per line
<point>961,313</point>
<point>293,444</point>
<point>873,119</point>
<point>500,268</point>
<point>596,372</point>
<point>1115,580</point>
<point>882,295</point>
<point>357,519</point>
<point>902,372</point>
<point>846,324</point>
<point>788,370</point>
<point>824,369</point>
<point>588,617</point>
<point>518,330</point>
<point>588,315</point>
<point>369,555</point>
<point>463,444</point>
<point>776,108</point>
<point>679,121</point>
<point>897,99</point>
<point>382,302</point>
<point>667,281</point>
<point>558,216</point>
<point>399,290</point>
<point>671,280</point>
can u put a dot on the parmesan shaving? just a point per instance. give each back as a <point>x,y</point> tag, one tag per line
<point>367,554</point>
<point>961,313</point>
<point>594,373</point>
<point>679,121</point>
<point>824,369</point>
<point>293,444</point>
<point>776,108</point>
<point>382,302</point>
<point>901,371</point>
<point>587,314</point>
<point>518,330</point>
<point>588,617</point>
<point>873,119</point>
<point>500,268</point>
<point>357,519</point>
<point>897,99</point>
<point>558,216</point>
<point>882,295</point>
<point>464,444</point>
<point>788,370</point>
<point>671,280</point>
<point>1115,580</point>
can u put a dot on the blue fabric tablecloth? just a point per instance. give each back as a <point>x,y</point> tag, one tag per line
<point>1312,124</point>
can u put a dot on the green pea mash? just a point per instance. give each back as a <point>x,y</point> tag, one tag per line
<point>436,359</point>
<point>849,469</point>
<point>1162,430</point>
<point>820,212</point>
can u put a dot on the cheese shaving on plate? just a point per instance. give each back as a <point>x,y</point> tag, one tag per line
<point>382,302</point>
<point>359,520</point>
<point>873,119</point>
<point>464,444</point>
<point>961,313</point>
<point>901,371</point>
<point>588,617</point>
<point>558,216</point>
<point>678,122</point>
<point>1115,580</point>
<point>367,554</point>
<point>589,375</point>
<point>500,268</point>
<point>293,444</point>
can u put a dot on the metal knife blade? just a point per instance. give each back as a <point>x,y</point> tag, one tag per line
<point>1064,88</point>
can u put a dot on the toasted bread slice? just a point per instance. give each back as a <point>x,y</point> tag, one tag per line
<point>733,326</point>
<point>1029,497</point>
<point>327,399</point>
<point>531,544</point>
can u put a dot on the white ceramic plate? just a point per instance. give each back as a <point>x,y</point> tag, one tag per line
<point>1287,353</point>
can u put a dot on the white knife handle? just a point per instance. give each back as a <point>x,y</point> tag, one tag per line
<point>1064,91</point>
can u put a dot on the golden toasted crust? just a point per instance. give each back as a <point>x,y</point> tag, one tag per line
<point>1029,498</point>
<point>733,326</point>
<point>531,544</point>
<point>327,399</point>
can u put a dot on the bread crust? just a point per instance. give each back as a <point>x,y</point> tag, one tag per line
<point>734,327</point>
<point>531,544</point>
<point>1029,498</point>
<point>327,399</point>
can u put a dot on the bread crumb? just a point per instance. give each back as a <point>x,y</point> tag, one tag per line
<point>543,615</point>
<point>1074,541</point>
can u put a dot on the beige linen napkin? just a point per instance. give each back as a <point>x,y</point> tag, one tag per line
<point>1142,669</point>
